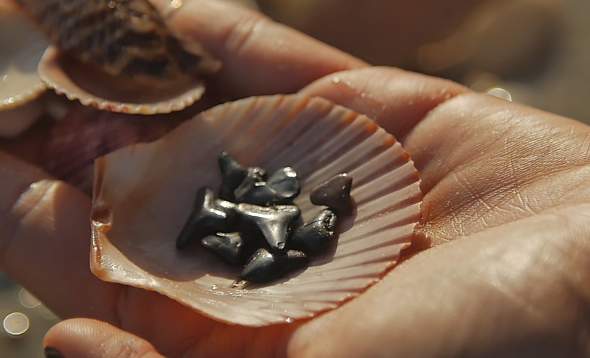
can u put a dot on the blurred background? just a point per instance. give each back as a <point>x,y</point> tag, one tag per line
<point>535,50</point>
<point>538,50</point>
<point>24,322</point>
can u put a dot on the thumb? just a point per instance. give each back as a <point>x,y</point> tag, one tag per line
<point>89,338</point>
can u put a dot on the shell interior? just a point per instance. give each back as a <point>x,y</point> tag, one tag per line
<point>119,55</point>
<point>21,46</point>
<point>143,195</point>
<point>81,82</point>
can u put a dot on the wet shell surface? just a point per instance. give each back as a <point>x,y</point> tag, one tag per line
<point>143,194</point>
<point>118,55</point>
<point>21,48</point>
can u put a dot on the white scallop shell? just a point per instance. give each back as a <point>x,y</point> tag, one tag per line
<point>80,83</point>
<point>15,121</point>
<point>143,194</point>
<point>21,48</point>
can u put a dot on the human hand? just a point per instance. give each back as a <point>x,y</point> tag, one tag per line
<point>44,228</point>
<point>258,56</point>
<point>506,205</point>
<point>506,180</point>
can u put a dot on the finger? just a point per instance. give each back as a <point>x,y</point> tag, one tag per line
<point>259,56</point>
<point>44,245</point>
<point>396,99</point>
<point>486,162</point>
<point>482,160</point>
<point>45,241</point>
<point>86,338</point>
<point>474,127</point>
<point>516,290</point>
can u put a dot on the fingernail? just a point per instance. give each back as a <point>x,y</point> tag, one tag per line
<point>51,352</point>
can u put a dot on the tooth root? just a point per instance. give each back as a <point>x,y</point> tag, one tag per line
<point>281,188</point>
<point>254,177</point>
<point>273,222</point>
<point>229,246</point>
<point>316,236</point>
<point>209,216</point>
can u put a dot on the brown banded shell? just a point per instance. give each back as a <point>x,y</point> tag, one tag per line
<point>118,55</point>
<point>144,193</point>
<point>71,78</point>
<point>121,37</point>
<point>21,48</point>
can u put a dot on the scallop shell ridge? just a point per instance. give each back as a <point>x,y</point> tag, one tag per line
<point>119,56</point>
<point>142,197</point>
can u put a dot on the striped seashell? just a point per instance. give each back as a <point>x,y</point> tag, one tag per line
<point>144,193</point>
<point>118,56</point>
<point>121,37</point>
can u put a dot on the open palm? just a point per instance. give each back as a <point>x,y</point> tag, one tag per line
<point>506,206</point>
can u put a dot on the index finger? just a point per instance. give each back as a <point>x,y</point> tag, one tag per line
<point>44,241</point>
<point>259,56</point>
